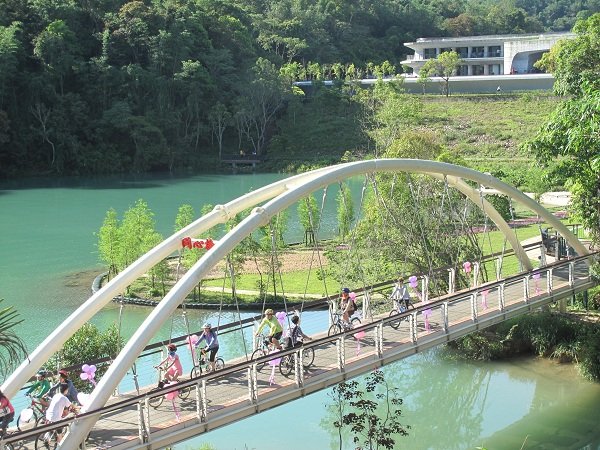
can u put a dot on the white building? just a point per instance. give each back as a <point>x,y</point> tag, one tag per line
<point>486,55</point>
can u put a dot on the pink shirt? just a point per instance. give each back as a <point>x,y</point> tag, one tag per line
<point>176,364</point>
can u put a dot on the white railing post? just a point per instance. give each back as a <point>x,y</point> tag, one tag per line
<point>332,309</point>
<point>526,288</point>
<point>252,394</point>
<point>473,297</point>
<point>298,368</point>
<point>425,291</point>
<point>475,274</point>
<point>451,280</point>
<point>198,402</point>
<point>444,310</point>
<point>142,428</point>
<point>341,352</point>
<point>571,273</point>
<point>542,255</point>
<point>498,262</point>
<point>413,327</point>
<point>366,305</point>
<point>501,299</point>
<point>549,281</point>
<point>204,399</point>
<point>379,339</point>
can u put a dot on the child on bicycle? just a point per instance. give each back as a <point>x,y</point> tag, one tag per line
<point>7,413</point>
<point>39,388</point>
<point>296,335</point>
<point>171,364</point>
<point>212,344</point>
<point>347,306</point>
<point>400,295</point>
<point>275,328</point>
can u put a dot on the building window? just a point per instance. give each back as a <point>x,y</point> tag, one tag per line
<point>477,70</point>
<point>477,52</point>
<point>494,51</point>
<point>462,71</point>
<point>445,50</point>
<point>494,69</point>
<point>429,53</point>
<point>463,52</point>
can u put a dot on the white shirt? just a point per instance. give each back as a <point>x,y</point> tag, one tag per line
<point>57,406</point>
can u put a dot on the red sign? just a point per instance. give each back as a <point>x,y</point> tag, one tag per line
<point>197,243</point>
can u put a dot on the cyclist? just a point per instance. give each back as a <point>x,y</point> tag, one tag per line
<point>7,413</point>
<point>212,344</point>
<point>39,388</point>
<point>400,294</point>
<point>173,366</point>
<point>63,378</point>
<point>59,407</point>
<point>275,329</point>
<point>347,306</point>
<point>296,335</point>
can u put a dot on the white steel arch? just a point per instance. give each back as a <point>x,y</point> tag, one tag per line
<point>282,195</point>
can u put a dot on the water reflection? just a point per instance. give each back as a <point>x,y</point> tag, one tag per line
<point>449,405</point>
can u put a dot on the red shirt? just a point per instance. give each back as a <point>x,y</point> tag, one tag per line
<point>4,402</point>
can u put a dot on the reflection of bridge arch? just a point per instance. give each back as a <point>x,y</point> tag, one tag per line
<point>282,195</point>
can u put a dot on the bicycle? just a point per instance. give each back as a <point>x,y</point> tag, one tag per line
<point>37,409</point>
<point>264,347</point>
<point>286,366</point>
<point>204,363</point>
<point>399,308</point>
<point>7,445</point>
<point>340,325</point>
<point>49,440</point>
<point>155,402</point>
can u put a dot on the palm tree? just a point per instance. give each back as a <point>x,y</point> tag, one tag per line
<point>12,348</point>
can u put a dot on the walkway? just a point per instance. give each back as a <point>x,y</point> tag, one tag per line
<point>243,388</point>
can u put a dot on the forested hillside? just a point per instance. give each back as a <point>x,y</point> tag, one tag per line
<point>112,86</point>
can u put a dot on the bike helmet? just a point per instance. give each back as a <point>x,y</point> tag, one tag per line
<point>41,373</point>
<point>63,372</point>
<point>207,325</point>
<point>346,290</point>
<point>172,347</point>
<point>269,311</point>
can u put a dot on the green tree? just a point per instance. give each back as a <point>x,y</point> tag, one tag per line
<point>185,216</point>
<point>345,211</point>
<point>569,144</point>
<point>9,47</point>
<point>372,415</point>
<point>444,66</point>
<point>87,345</point>
<point>137,233</point>
<point>575,62</point>
<point>12,348</point>
<point>109,242</point>
<point>309,215</point>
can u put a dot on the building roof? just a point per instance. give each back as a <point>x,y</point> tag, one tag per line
<point>496,37</point>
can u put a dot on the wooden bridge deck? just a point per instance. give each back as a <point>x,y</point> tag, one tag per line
<point>223,397</point>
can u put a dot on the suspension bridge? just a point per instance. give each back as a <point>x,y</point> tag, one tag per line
<point>130,418</point>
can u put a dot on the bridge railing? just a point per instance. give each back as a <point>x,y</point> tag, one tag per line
<point>250,386</point>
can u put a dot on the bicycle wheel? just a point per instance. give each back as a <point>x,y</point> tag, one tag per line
<point>334,329</point>
<point>48,440</point>
<point>354,322</point>
<point>395,324</point>
<point>184,393</point>
<point>257,354</point>
<point>196,372</point>
<point>156,401</point>
<point>286,366</point>
<point>219,364</point>
<point>23,425</point>
<point>308,357</point>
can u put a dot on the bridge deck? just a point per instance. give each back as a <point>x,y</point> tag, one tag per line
<point>233,393</point>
